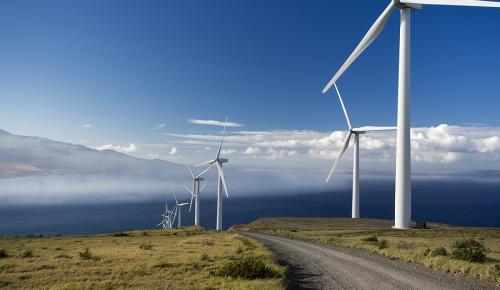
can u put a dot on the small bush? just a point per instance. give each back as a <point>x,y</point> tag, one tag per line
<point>204,257</point>
<point>440,251</point>
<point>240,250</point>
<point>495,271</point>
<point>27,254</point>
<point>246,268</point>
<point>373,239</point>
<point>119,234</point>
<point>3,254</point>
<point>86,255</point>
<point>382,244</point>
<point>469,250</point>
<point>146,247</point>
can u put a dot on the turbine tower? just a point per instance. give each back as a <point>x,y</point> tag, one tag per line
<point>402,211</point>
<point>355,167</point>
<point>195,194</point>
<point>221,182</point>
<point>178,209</point>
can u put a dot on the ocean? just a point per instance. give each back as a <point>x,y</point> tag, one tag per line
<point>456,203</point>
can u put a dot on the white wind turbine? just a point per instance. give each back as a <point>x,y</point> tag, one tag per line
<point>178,210</point>
<point>168,218</point>
<point>355,166</point>
<point>195,194</point>
<point>402,214</point>
<point>221,182</point>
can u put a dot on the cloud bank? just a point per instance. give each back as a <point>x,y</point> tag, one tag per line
<point>214,123</point>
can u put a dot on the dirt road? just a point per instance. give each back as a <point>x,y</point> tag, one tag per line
<point>318,266</point>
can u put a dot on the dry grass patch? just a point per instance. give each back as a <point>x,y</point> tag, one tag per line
<point>176,259</point>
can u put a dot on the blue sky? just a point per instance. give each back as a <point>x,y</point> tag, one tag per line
<point>124,67</point>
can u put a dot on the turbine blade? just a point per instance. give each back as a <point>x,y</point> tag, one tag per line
<point>373,128</point>
<point>191,202</point>
<point>203,186</point>
<point>369,37</point>
<point>472,3</point>
<point>341,153</point>
<point>343,106</point>
<point>205,163</point>
<point>221,139</point>
<point>190,171</point>
<point>176,202</point>
<point>221,174</point>
<point>203,172</point>
<point>187,188</point>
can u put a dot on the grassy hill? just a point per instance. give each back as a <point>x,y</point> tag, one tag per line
<point>190,258</point>
<point>434,247</point>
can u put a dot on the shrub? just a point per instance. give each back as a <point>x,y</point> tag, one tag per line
<point>3,254</point>
<point>86,255</point>
<point>440,251</point>
<point>469,250</point>
<point>373,239</point>
<point>204,257</point>
<point>495,271</point>
<point>146,246</point>
<point>119,234</point>
<point>27,254</point>
<point>246,268</point>
<point>382,244</point>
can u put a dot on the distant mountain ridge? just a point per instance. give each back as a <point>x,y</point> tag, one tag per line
<point>30,155</point>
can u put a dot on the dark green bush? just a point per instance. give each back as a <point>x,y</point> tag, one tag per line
<point>495,271</point>
<point>439,251</point>
<point>3,254</point>
<point>370,239</point>
<point>27,254</point>
<point>246,268</point>
<point>469,250</point>
<point>382,244</point>
<point>119,234</point>
<point>86,255</point>
<point>146,246</point>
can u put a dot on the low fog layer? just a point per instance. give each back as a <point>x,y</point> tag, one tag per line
<point>38,170</point>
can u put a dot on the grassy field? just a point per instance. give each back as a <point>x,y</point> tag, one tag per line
<point>423,246</point>
<point>190,258</point>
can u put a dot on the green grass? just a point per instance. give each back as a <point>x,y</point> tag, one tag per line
<point>440,247</point>
<point>190,258</point>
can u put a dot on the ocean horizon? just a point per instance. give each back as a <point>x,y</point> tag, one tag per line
<point>456,203</point>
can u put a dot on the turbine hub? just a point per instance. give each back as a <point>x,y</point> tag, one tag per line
<point>413,7</point>
<point>223,160</point>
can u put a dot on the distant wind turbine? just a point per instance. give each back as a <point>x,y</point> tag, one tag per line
<point>178,209</point>
<point>355,166</point>
<point>221,182</point>
<point>402,210</point>
<point>195,194</point>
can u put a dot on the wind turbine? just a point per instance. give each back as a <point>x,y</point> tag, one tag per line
<point>402,211</point>
<point>178,209</point>
<point>221,182</point>
<point>355,166</point>
<point>195,194</point>
<point>168,218</point>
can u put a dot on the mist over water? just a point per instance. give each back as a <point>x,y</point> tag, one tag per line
<point>457,203</point>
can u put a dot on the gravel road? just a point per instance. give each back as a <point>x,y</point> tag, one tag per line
<point>318,266</point>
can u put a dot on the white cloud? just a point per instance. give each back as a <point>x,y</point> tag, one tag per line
<point>159,126</point>
<point>87,126</point>
<point>251,150</point>
<point>227,151</point>
<point>443,147</point>
<point>214,123</point>
<point>124,149</point>
<point>173,151</point>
